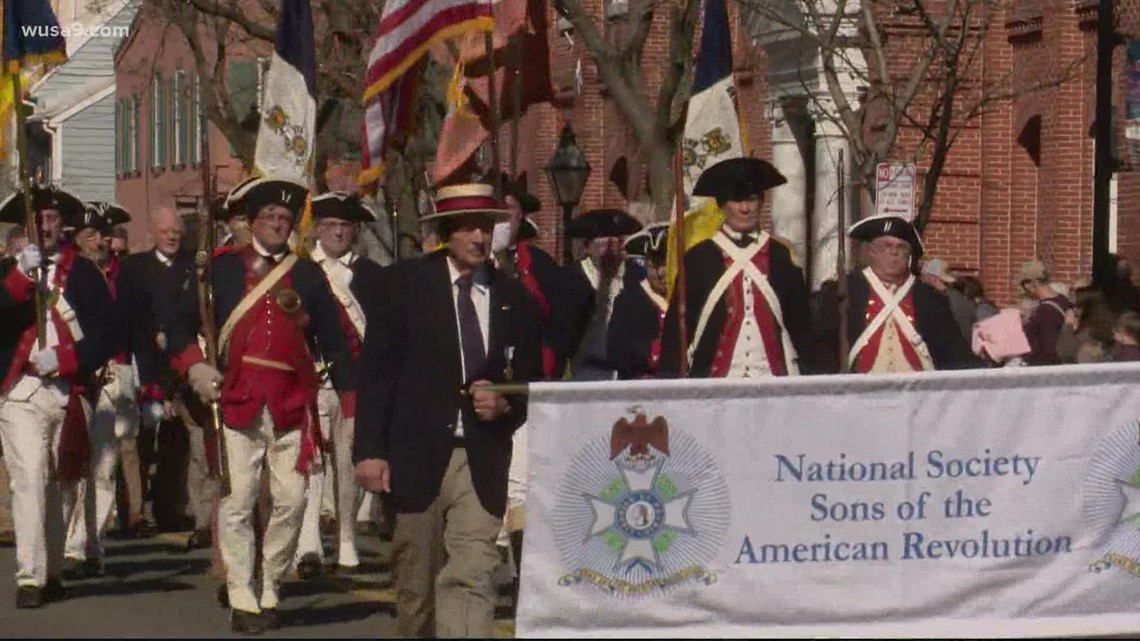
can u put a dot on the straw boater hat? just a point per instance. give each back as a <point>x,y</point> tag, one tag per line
<point>471,198</point>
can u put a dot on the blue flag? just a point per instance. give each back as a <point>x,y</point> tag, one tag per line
<point>295,40</point>
<point>31,35</point>
<point>714,60</point>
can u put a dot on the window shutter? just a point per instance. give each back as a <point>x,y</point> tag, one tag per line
<point>151,144</point>
<point>190,114</point>
<point>118,137</point>
<point>160,121</point>
<point>135,133</point>
<point>200,117</point>
<point>243,91</point>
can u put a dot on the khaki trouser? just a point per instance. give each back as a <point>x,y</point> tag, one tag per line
<point>443,560</point>
<point>30,423</point>
<point>248,452</point>
<point>338,472</point>
<point>94,496</point>
<point>201,487</point>
<point>5,497</point>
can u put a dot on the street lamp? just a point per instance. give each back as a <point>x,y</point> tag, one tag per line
<point>567,172</point>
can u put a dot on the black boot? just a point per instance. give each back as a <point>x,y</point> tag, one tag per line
<point>309,567</point>
<point>199,540</point>
<point>243,622</point>
<point>223,596</point>
<point>269,619</point>
<point>29,597</point>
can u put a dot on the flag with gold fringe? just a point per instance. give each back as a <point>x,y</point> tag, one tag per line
<point>700,225</point>
<point>407,29</point>
<point>31,38</point>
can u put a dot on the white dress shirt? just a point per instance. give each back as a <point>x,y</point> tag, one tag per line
<point>481,296</point>
<point>264,253</point>
<point>166,261</point>
<point>749,356</point>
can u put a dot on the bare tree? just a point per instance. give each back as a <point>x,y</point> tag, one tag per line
<point>656,118</point>
<point>918,69</point>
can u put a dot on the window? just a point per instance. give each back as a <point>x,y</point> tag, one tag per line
<point>158,121</point>
<point>178,140</point>
<point>243,95</point>
<point>133,138</point>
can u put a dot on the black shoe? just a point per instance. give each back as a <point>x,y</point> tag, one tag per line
<point>309,567</point>
<point>53,590</point>
<point>243,622</point>
<point>7,539</point>
<point>199,540</point>
<point>144,529</point>
<point>223,596</point>
<point>29,597</point>
<point>269,620</point>
<point>74,570</point>
<point>93,568</point>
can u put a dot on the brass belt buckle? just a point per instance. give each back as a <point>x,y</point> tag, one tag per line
<point>289,300</point>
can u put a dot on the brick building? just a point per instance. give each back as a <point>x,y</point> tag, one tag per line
<point>1018,184</point>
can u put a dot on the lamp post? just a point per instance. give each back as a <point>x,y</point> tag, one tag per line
<point>567,172</point>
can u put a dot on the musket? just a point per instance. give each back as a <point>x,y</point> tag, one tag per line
<point>841,268</point>
<point>33,230</point>
<point>202,260</point>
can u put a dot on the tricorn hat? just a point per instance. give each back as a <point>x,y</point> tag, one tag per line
<point>738,179</point>
<point>101,216</point>
<point>469,198</point>
<point>650,242</point>
<point>602,223</point>
<point>527,201</point>
<point>342,206</point>
<point>46,197</point>
<point>873,227</point>
<point>252,194</point>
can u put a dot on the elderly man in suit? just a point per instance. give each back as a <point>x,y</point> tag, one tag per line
<point>427,435</point>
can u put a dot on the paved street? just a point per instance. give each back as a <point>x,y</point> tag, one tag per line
<point>153,589</point>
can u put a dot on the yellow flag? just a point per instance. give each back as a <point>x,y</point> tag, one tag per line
<point>7,111</point>
<point>701,224</point>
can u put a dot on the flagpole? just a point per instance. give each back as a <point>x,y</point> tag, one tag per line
<point>33,230</point>
<point>516,110</point>
<point>679,240</point>
<point>493,104</point>
<point>841,268</point>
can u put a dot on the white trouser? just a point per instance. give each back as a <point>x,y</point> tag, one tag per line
<point>371,509</point>
<point>116,415</point>
<point>347,494</point>
<point>247,451</point>
<point>30,421</point>
<point>515,516</point>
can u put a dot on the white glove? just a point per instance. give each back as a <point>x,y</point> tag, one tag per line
<point>46,361</point>
<point>500,237</point>
<point>153,412</point>
<point>29,259</point>
<point>205,381</point>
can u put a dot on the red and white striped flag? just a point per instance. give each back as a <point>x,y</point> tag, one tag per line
<point>406,30</point>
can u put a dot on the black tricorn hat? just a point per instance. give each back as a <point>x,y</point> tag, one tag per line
<point>527,228</point>
<point>650,242</point>
<point>47,197</point>
<point>528,202</point>
<point>342,206</point>
<point>601,223</point>
<point>738,179</point>
<point>260,191</point>
<point>101,216</point>
<point>874,227</point>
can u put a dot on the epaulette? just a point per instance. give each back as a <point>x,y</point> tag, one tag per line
<point>788,244</point>
<point>227,249</point>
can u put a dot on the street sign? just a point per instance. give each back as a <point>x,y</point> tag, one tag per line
<point>895,188</point>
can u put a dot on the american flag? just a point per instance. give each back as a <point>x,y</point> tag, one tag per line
<point>406,30</point>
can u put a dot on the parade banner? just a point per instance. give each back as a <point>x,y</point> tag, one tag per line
<point>987,503</point>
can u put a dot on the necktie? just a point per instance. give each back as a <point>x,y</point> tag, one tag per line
<point>470,334</point>
<point>744,240</point>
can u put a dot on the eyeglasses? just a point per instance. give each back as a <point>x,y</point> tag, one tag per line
<point>899,250</point>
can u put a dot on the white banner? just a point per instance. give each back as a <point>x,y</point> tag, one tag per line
<point>985,503</point>
<point>287,132</point>
<point>712,131</point>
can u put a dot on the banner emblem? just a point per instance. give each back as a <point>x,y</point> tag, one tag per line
<point>642,511</point>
